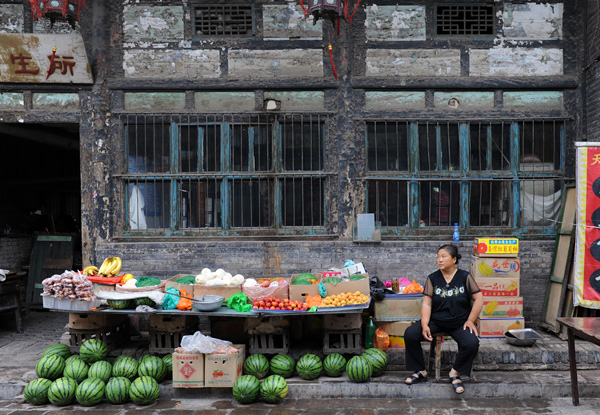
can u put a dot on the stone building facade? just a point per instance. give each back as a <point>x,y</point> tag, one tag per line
<point>240,135</point>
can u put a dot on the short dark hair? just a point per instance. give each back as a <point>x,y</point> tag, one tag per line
<point>452,250</point>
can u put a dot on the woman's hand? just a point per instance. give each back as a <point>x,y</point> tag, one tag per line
<point>427,333</point>
<point>471,326</point>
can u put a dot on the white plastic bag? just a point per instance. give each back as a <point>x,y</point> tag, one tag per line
<point>200,343</point>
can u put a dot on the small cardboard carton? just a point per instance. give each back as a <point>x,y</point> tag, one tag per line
<point>498,287</point>
<point>361,285</point>
<point>188,370</point>
<point>342,321</point>
<point>495,267</point>
<point>300,292</point>
<point>395,329</point>
<point>502,307</point>
<point>491,328</point>
<point>89,321</point>
<point>189,288</point>
<point>399,307</point>
<point>499,247</point>
<point>222,370</point>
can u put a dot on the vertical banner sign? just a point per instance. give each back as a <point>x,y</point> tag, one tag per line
<point>586,284</point>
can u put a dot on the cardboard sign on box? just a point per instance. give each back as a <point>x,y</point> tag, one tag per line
<point>496,327</point>
<point>222,370</point>
<point>399,307</point>
<point>188,370</point>
<point>495,267</point>
<point>498,287</point>
<point>500,247</point>
<point>506,307</point>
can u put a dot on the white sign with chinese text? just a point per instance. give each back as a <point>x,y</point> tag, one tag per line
<point>29,58</point>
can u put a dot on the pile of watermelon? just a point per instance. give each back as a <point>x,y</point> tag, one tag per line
<point>88,377</point>
<point>248,388</point>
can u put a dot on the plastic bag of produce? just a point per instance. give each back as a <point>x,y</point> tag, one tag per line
<point>200,343</point>
<point>381,340</point>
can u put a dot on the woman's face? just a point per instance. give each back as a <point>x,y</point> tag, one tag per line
<point>445,260</point>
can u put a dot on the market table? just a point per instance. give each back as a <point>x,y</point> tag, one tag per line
<point>587,328</point>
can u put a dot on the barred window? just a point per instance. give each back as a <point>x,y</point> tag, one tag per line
<point>225,174</point>
<point>424,176</point>
<point>223,20</point>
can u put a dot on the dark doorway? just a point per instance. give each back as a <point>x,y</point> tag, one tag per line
<point>40,182</point>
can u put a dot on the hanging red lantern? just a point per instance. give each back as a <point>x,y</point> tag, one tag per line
<point>61,10</point>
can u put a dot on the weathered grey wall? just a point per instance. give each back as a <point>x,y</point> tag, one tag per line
<point>15,252</point>
<point>411,259</point>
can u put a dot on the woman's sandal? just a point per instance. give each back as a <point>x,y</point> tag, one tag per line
<point>457,385</point>
<point>416,377</point>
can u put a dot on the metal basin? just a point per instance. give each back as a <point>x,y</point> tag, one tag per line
<point>522,337</point>
<point>207,302</point>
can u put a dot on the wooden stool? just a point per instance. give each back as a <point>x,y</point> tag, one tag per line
<point>435,355</point>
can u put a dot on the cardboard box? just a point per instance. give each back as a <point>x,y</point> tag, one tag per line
<point>358,268</point>
<point>362,285</point>
<point>495,267</point>
<point>198,290</point>
<point>189,288</point>
<point>395,329</point>
<point>399,307</point>
<point>90,321</point>
<point>500,247</point>
<point>188,370</point>
<point>342,321</point>
<point>499,287</point>
<point>223,291</point>
<point>222,370</point>
<point>299,292</point>
<point>502,307</point>
<point>493,328</point>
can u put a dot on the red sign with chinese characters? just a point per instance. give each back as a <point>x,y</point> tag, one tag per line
<point>587,248</point>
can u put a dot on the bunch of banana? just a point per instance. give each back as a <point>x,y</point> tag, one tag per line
<point>90,270</point>
<point>490,308</point>
<point>110,267</point>
<point>512,286</point>
<point>485,269</point>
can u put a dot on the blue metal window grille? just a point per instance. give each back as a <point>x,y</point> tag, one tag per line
<point>491,177</point>
<point>225,175</point>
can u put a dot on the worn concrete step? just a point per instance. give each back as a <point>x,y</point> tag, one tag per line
<point>496,384</point>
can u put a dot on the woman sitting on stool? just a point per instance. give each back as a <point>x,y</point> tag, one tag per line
<point>447,307</point>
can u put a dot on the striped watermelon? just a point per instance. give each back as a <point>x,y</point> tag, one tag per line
<point>120,304</point>
<point>60,349</point>
<point>90,392</point>
<point>76,369</point>
<point>154,367</point>
<point>282,365</point>
<point>72,357</point>
<point>246,389</point>
<point>168,359</point>
<point>117,390</point>
<point>50,367</point>
<point>92,350</point>
<point>273,389</point>
<point>36,391</point>
<point>62,391</point>
<point>144,390</point>
<point>125,366</point>
<point>144,301</point>
<point>334,365</point>
<point>101,370</point>
<point>309,366</point>
<point>359,370</point>
<point>377,359</point>
<point>256,365</point>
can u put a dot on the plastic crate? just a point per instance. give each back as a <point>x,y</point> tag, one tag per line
<point>113,336</point>
<point>272,343</point>
<point>49,301</point>
<point>166,341</point>
<point>342,341</point>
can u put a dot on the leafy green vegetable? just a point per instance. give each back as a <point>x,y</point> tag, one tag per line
<point>147,281</point>
<point>188,279</point>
